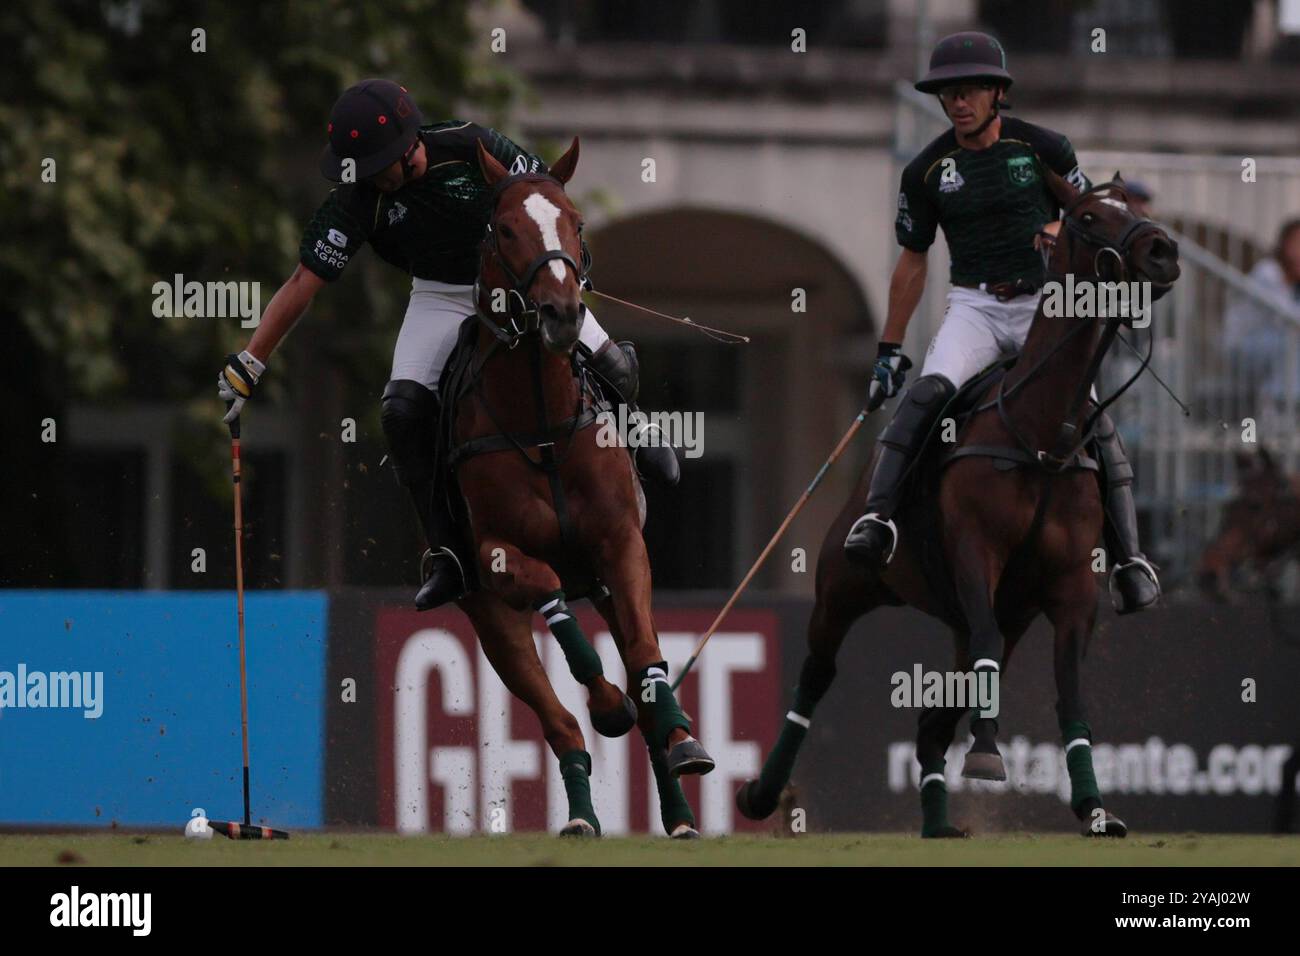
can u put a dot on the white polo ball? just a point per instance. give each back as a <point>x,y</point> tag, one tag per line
<point>197,829</point>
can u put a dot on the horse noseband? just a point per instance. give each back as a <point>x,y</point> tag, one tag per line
<point>523,311</point>
<point>1119,248</point>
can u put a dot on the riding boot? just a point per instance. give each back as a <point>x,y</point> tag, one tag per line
<point>1133,582</point>
<point>616,363</point>
<point>410,418</point>
<point>873,537</point>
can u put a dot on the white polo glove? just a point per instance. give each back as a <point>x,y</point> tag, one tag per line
<point>236,382</point>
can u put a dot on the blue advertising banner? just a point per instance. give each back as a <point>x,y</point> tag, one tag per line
<point>123,707</point>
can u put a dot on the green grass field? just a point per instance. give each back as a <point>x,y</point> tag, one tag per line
<point>848,849</point>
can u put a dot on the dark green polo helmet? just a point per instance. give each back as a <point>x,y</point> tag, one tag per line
<point>968,57</point>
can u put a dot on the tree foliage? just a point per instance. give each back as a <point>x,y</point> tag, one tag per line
<point>178,152</point>
<point>169,160</point>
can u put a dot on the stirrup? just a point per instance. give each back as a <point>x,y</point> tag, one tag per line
<point>657,463</point>
<point>874,518</point>
<point>1147,568</point>
<point>426,560</point>
<point>426,572</point>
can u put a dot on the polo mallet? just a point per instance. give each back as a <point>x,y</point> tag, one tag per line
<point>718,335</point>
<point>874,401</point>
<point>246,830</point>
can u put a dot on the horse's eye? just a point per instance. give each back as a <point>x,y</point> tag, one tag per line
<point>1088,217</point>
<point>506,232</point>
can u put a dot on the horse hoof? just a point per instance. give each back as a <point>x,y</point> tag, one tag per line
<point>983,766</point>
<point>616,722</point>
<point>947,833</point>
<point>578,827</point>
<point>689,756</point>
<point>1108,826</point>
<point>684,831</point>
<point>751,805</point>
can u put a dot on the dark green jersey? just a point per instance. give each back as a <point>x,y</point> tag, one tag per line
<point>431,227</point>
<point>990,202</point>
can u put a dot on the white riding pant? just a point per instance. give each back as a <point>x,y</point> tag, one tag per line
<point>977,330</point>
<point>429,330</point>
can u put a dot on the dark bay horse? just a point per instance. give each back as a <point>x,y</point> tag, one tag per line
<point>1259,530</point>
<point>554,515</point>
<point>1002,525</point>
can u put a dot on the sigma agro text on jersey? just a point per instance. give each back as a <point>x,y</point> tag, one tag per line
<point>1098,300</point>
<point>209,300</point>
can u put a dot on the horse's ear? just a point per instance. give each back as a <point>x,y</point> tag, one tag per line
<point>562,169</point>
<point>493,171</point>
<point>1063,191</point>
<point>1118,180</point>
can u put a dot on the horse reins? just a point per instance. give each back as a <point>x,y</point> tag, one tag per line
<point>1119,249</point>
<point>522,309</point>
<point>525,318</point>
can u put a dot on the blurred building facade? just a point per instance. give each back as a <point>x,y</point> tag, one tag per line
<point>774,183</point>
<point>777,170</point>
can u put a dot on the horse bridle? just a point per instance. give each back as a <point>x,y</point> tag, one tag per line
<point>521,308</point>
<point>1120,248</point>
<point>1117,248</point>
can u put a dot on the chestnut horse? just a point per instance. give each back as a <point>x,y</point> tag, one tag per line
<point>1002,526</point>
<point>554,515</point>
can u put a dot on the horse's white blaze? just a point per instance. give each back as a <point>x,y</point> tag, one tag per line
<point>546,214</point>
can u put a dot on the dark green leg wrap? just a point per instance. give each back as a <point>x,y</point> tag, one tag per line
<point>934,799</point>
<point>779,764</point>
<point>1084,794</point>
<point>584,662</point>
<point>673,808</point>
<point>575,768</point>
<point>814,680</point>
<point>655,692</point>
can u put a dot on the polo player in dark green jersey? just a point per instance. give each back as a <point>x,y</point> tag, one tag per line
<point>982,182</point>
<point>415,193</point>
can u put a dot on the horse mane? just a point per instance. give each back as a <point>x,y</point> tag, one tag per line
<point>1066,194</point>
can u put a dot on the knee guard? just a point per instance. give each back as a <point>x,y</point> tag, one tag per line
<point>409,414</point>
<point>917,413</point>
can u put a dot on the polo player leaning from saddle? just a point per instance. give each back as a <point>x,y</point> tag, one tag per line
<point>419,198</point>
<point>982,181</point>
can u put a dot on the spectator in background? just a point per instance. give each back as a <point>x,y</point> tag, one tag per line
<point>1139,197</point>
<point>1254,335</point>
